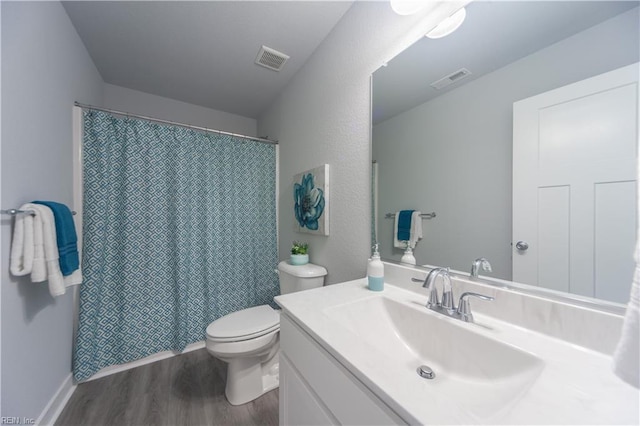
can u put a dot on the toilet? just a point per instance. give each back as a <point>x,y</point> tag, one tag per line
<point>248,340</point>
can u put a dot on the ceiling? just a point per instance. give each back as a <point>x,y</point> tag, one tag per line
<point>202,52</point>
<point>494,34</point>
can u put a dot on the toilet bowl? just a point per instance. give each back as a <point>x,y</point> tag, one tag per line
<point>249,340</point>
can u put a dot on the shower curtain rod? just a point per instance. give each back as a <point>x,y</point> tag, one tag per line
<point>188,126</point>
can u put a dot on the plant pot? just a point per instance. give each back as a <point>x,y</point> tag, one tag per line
<point>299,259</point>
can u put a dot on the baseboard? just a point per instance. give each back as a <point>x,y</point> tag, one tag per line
<point>57,403</point>
<point>107,371</point>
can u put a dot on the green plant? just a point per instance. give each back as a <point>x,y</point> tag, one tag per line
<point>299,248</point>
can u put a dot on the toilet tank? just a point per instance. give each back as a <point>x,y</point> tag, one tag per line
<point>300,277</point>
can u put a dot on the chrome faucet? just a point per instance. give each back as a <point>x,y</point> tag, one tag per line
<point>429,283</point>
<point>480,262</point>
<point>445,305</point>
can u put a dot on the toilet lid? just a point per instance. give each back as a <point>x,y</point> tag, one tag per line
<point>245,323</point>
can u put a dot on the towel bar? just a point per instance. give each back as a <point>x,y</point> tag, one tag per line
<point>424,215</point>
<point>14,212</point>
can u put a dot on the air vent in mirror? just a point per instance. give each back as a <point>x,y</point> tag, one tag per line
<point>451,78</point>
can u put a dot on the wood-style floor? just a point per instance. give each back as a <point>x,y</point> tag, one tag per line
<point>184,390</point>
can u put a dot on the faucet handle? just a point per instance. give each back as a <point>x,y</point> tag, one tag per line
<point>447,293</point>
<point>486,266</point>
<point>464,308</point>
<point>480,262</point>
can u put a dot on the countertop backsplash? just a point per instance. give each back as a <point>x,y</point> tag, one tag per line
<point>583,326</point>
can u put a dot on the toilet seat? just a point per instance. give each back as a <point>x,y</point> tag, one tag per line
<point>245,324</point>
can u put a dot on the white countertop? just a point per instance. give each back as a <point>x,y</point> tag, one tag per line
<point>576,385</point>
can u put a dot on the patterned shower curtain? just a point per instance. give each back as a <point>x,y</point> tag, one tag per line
<point>179,229</point>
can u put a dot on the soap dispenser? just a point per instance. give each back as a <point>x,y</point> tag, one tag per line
<point>408,256</point>
<point>375,271</point>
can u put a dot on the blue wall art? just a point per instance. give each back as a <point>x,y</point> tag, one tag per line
<point>311,200</point>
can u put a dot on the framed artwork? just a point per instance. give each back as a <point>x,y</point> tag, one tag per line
<point>311,201</point>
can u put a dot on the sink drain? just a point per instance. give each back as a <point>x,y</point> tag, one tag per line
<point>426,372</point>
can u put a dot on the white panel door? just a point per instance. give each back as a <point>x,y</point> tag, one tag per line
<point>574,186</point>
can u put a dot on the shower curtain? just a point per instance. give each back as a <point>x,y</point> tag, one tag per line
<point>179,229</point>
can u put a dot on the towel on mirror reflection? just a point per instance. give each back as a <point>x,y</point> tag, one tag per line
<point>397,243</point>
<point>416,228</point>
<point>66,238</point>
<point>404,225</point>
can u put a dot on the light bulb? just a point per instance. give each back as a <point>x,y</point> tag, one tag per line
<point>407,7</point>
<point>449,25</point>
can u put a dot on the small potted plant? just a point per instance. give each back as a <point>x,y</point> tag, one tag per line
<point>299,253</point>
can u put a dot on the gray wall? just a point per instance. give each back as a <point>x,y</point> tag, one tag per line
<point>453,154</point>
<point>45,68</point>
<point>323,116</point>
<point>133,101</point>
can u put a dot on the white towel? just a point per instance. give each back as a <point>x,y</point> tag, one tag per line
<point>48,250</point>
<point>397,243</point>
<point>22,249</point>
<point>626,359</point>
<point>54,276</point>
<point>35,250</point>
<point>39,272</point>
<point>415,233</point>
<point>416,228</point>
<point>27,251</point>
<point>74,279</point>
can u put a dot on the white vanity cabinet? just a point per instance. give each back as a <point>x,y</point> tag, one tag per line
<point>349,356</point>
<point>315,389</point>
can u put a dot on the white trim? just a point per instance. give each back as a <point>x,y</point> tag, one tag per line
<point>57,403</point>
<point>77,130</point>
<point>77,171</point>
<point>107,371</point>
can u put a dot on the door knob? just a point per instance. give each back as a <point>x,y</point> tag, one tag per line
<point>522,245</point>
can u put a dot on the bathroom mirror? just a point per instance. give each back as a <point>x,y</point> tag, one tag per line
<point>450,150</point>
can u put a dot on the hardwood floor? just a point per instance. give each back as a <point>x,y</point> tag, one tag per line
<point>184,390</point>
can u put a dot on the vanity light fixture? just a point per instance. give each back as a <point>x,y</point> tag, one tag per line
<point>449,25</point>
<point>407,7</point>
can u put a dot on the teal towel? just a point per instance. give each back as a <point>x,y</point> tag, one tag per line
<point>404,225</point>
<point>66,237</point>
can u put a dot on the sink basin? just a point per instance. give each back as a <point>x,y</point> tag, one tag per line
<point>486,376</point>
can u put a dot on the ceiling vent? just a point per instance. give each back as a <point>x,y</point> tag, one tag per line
<point>451,78</point>
<point>271,58</point>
